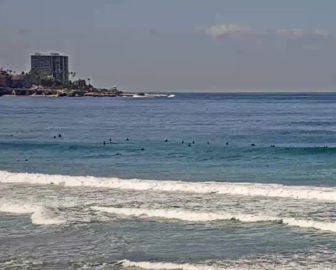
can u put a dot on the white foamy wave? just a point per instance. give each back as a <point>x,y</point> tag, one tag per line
<point>14,208</point>
<point>40,215</point>
<point>244,264</point>
<point>181,214</point>
<point>243,189</point>
<point>204,217</point>
<point>323,226</point>
<point>47,216</point>
<point>168,266</point>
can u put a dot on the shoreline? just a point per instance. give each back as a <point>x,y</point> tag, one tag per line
<point>23,92</point>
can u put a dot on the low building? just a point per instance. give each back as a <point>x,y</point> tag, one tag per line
<point>5,79</point>
<point>17,81</point>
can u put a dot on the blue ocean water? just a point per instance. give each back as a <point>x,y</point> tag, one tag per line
<point>258,186</point>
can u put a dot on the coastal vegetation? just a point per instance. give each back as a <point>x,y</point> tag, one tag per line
<point>39,82</point>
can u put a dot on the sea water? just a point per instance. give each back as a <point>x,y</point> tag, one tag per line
<point>197,181</point>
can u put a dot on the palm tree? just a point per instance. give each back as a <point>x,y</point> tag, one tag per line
<point>73,74</point>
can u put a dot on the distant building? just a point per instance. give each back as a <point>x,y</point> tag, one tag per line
<point>8,79</point>
<point>5,79</point>
<point>55,64</point>
<point>17,81</point>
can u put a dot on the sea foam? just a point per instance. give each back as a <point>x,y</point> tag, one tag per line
<point>40,215</point>
<point>15,208</point>
<point>168,266</point>
<point>244,264</point>
<point>243,189</point>
<point>181,214</point>
<point>47,216</point>
<point>208,216</point>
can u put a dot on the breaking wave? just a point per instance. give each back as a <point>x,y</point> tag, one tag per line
<point>181,214</point>
<point>239,264</point>
<point>48,215</point>
<point>243,189</point>
<point>17,208</point>
<point>318,225</point>
<point>40,215</point>
<point>168,266</point>
<point>204,216</point>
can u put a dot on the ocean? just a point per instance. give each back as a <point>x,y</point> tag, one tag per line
<point>198,181</point>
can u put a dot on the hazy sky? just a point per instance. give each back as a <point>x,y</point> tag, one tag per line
<point>166,45</point>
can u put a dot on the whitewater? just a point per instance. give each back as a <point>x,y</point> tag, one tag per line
<point>56,213</point>
<point>244,265</point>
<point>206,216</point>
<point>245,189</point>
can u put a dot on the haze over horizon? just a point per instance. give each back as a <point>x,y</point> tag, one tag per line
<point>186,45</point>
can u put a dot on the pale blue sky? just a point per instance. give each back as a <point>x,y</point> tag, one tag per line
<point>156,45</point>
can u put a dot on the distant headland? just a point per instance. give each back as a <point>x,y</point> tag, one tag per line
<point>50,76</point>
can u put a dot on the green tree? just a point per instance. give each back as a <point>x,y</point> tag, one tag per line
<point>36,76</point>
